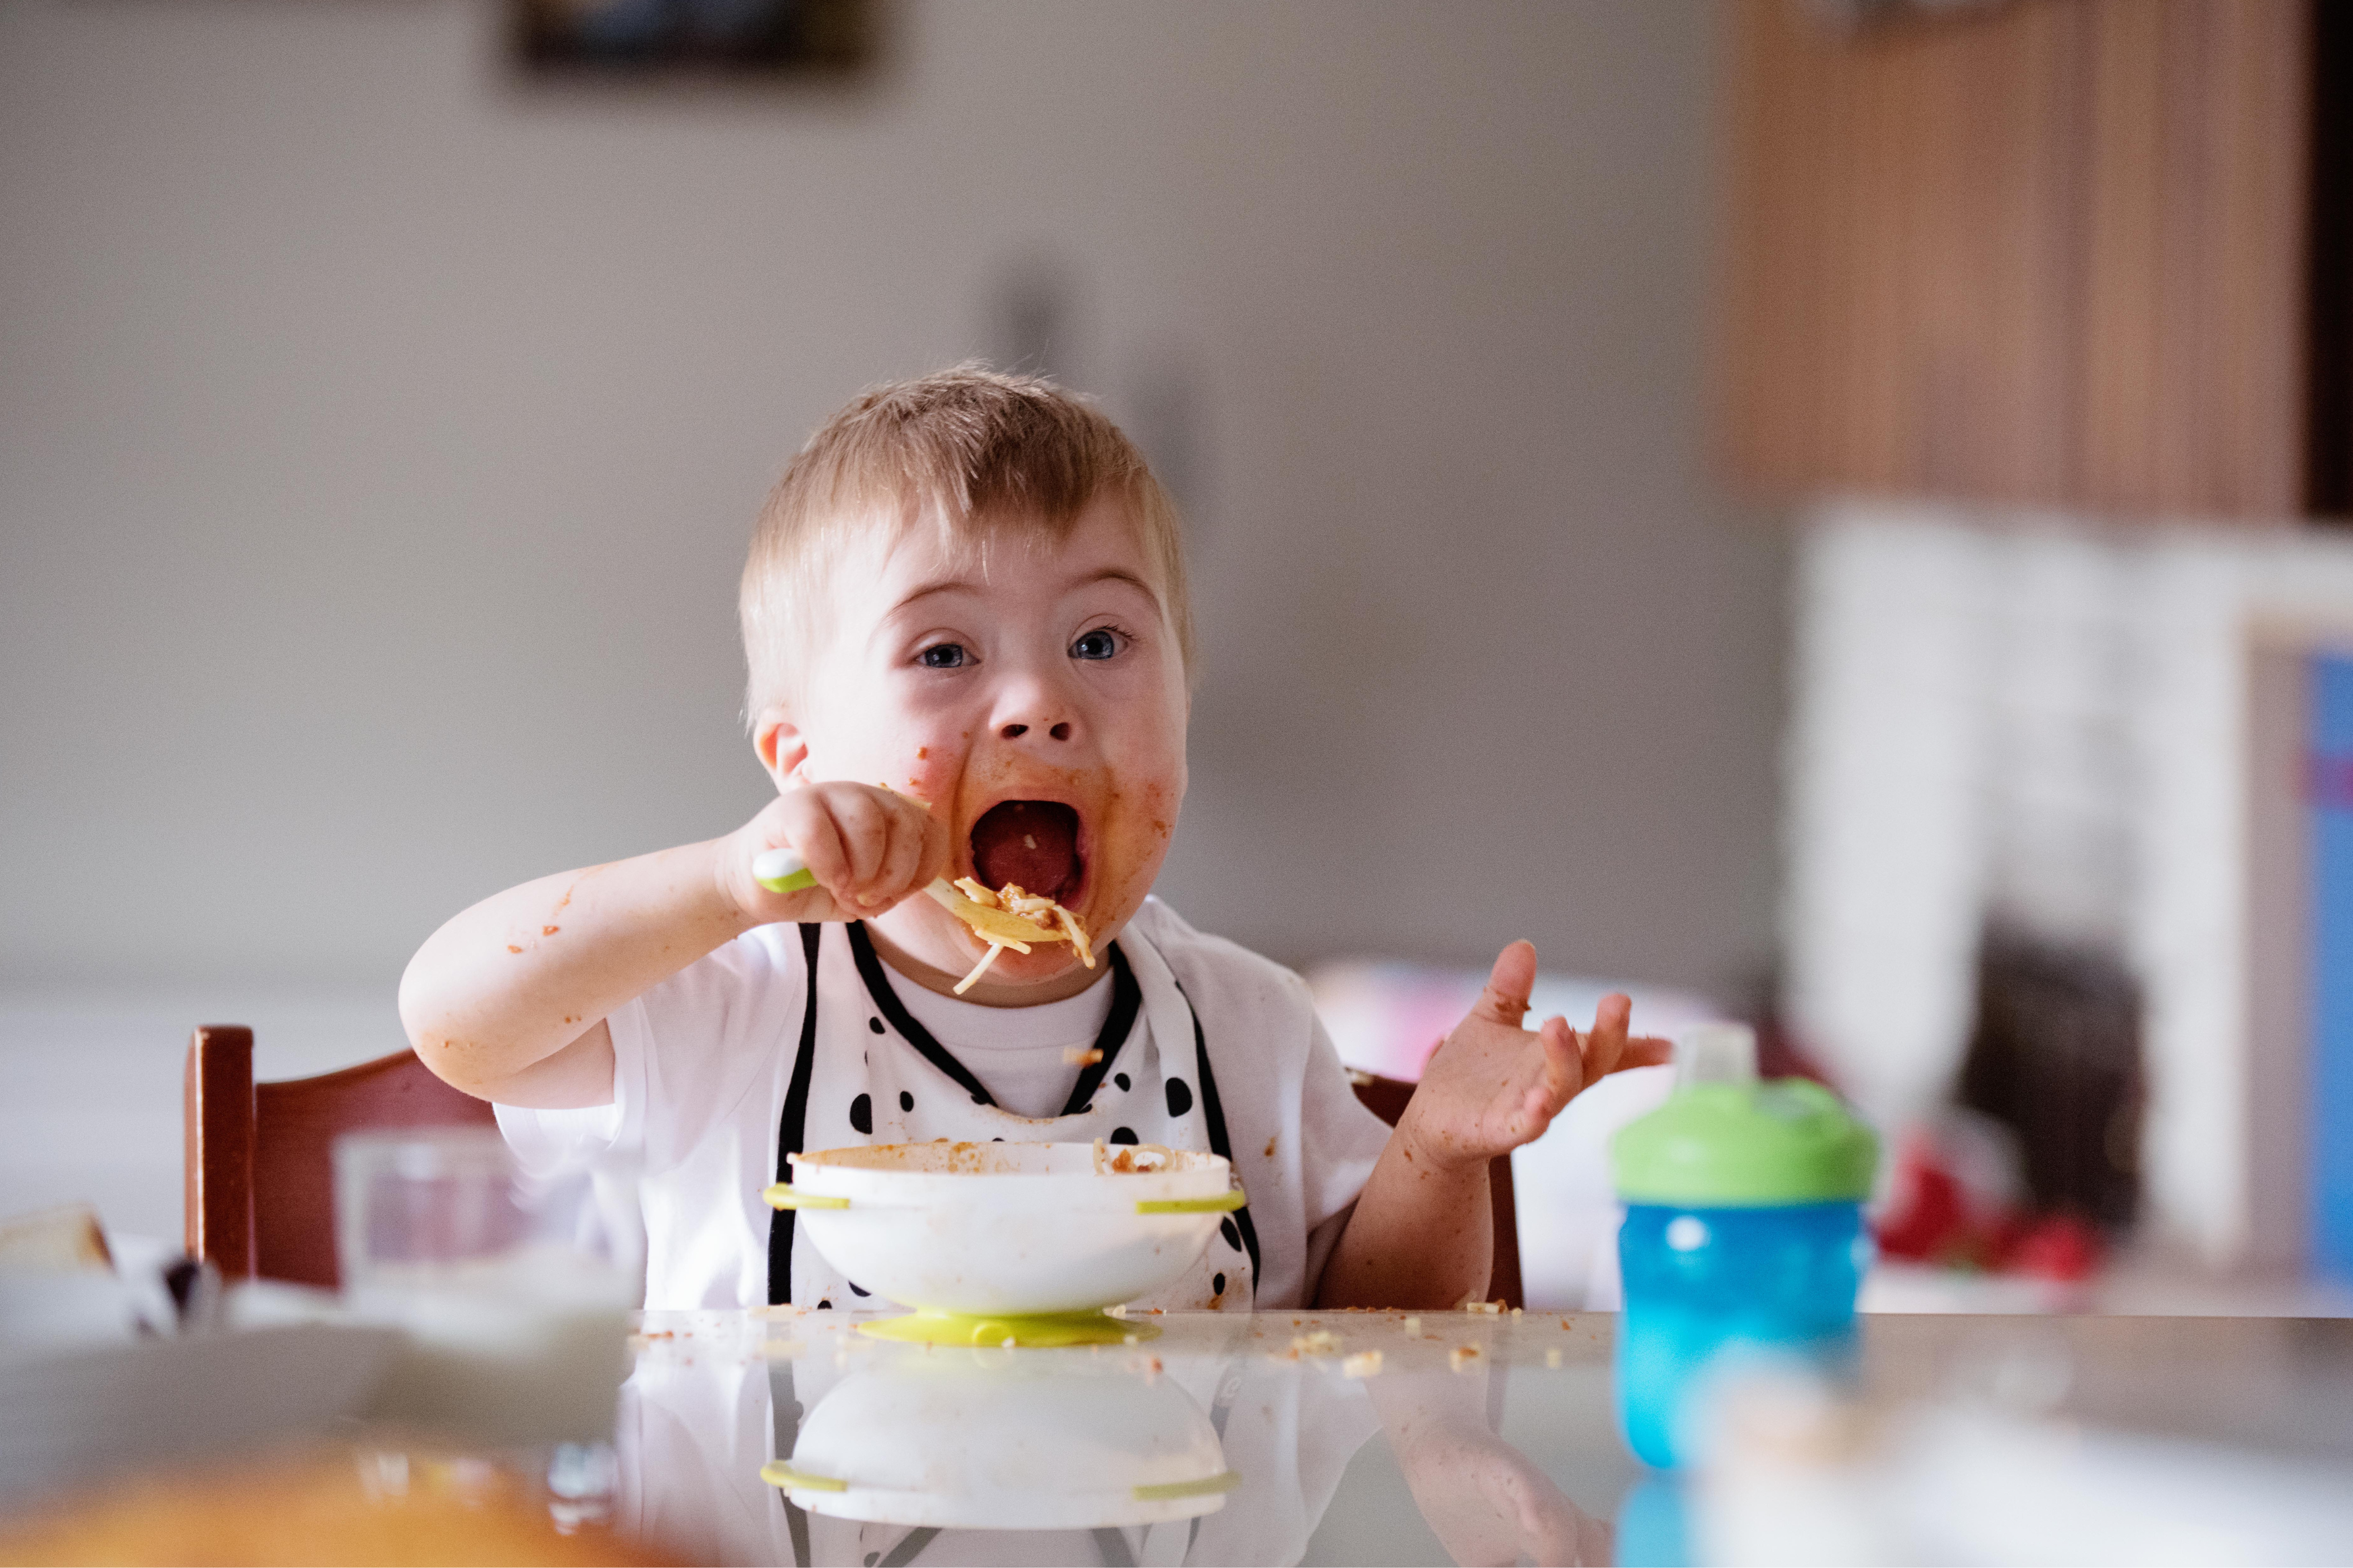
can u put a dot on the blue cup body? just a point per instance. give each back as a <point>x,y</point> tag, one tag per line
<point>1706,1286</point>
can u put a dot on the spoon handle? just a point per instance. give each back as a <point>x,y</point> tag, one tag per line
<point>782,871</point>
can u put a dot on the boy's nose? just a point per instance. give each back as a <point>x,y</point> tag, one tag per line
<point>1031,708</point>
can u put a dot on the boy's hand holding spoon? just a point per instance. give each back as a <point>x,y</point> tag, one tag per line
<point>833,851</point>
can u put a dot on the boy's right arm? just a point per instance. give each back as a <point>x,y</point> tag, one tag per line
<point>508,1001</point>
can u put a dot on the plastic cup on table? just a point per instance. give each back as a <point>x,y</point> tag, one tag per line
<point>515,1298</point>
<point>1743,1242</point>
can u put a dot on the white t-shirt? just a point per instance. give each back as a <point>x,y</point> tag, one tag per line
<point>1016,1051</point>
<point>1204,1040</point>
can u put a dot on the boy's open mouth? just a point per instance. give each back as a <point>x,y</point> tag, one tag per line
<point>1032,842</point>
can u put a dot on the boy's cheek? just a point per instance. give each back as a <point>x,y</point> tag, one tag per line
<point>1139,822</point>
<point>927,774</point>
<point>924,769</point>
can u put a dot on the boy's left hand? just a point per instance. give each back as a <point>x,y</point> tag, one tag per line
<point>1492,1086</point>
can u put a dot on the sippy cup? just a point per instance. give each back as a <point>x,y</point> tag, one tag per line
<point>1743,1236</point>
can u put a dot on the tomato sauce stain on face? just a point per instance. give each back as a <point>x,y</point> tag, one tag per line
<point>512,947</point>
<point>549,930</point>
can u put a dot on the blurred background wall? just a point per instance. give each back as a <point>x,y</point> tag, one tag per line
<point>379,436</point>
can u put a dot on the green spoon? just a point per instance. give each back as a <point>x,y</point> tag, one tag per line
<point>782,871</point>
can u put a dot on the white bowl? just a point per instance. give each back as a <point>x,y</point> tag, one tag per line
<point>980,1438</point>
<point>995,1229</point>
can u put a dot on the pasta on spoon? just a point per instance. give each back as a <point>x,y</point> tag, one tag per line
<point>1008,917</point>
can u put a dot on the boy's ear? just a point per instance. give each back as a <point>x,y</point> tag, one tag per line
<point>781,747</point>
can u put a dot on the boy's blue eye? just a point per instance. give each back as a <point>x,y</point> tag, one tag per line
<point>1099,643</point>
<point>941,656</point>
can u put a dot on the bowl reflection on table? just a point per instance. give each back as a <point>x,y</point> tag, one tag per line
<point>986,1439</point>
<point>1020,1229</point>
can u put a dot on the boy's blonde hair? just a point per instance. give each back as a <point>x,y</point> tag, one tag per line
<point>970,450</point>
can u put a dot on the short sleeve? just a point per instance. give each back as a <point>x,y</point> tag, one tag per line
<point>546,1142</point>
<point>685,1052</point>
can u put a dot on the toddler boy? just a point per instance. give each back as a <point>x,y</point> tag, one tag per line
<point>969,639</point>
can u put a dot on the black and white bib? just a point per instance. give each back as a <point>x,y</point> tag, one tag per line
<point>865,1071</point>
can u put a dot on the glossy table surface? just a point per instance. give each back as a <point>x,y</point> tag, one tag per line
<point>1276,1437</point>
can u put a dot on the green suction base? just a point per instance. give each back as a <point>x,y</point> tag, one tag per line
<point>1043,1331</point>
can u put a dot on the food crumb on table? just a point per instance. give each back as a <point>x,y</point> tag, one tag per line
<point>1460,1356</point>
<point>1367,1363</point>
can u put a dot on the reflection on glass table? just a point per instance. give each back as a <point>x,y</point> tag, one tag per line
<point>1357,1437</point>
<point>1384,1437</point>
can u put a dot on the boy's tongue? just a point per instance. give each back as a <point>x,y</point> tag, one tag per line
<point>1032,842</point>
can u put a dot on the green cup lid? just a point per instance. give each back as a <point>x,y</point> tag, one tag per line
<point>1725,1138</point>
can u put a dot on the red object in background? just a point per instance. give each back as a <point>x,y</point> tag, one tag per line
<point>1932,1219</point>
<point>2059,1247</point>
<point>1930,1214</point>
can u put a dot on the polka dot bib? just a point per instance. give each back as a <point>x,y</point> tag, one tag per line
<point>866,1071</point>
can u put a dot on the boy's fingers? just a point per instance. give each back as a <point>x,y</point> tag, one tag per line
<point>1646,1051</point>
<point>1607,1043</point>
<point>1554,1085</point>
<point>914,848</point>
<point>1563,1065</point>
<point>1505,999</point>
<point>821,843</point>
<point>865,830</point>
<point>918,852</point>
<point>813,837</point>
<point>936,850</point>
<point>901,858</point>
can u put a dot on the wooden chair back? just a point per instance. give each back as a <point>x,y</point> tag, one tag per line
<point>1386,1098</point>
<point>260,1187</point>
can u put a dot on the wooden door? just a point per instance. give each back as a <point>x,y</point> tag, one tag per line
<point>2041,252</point>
